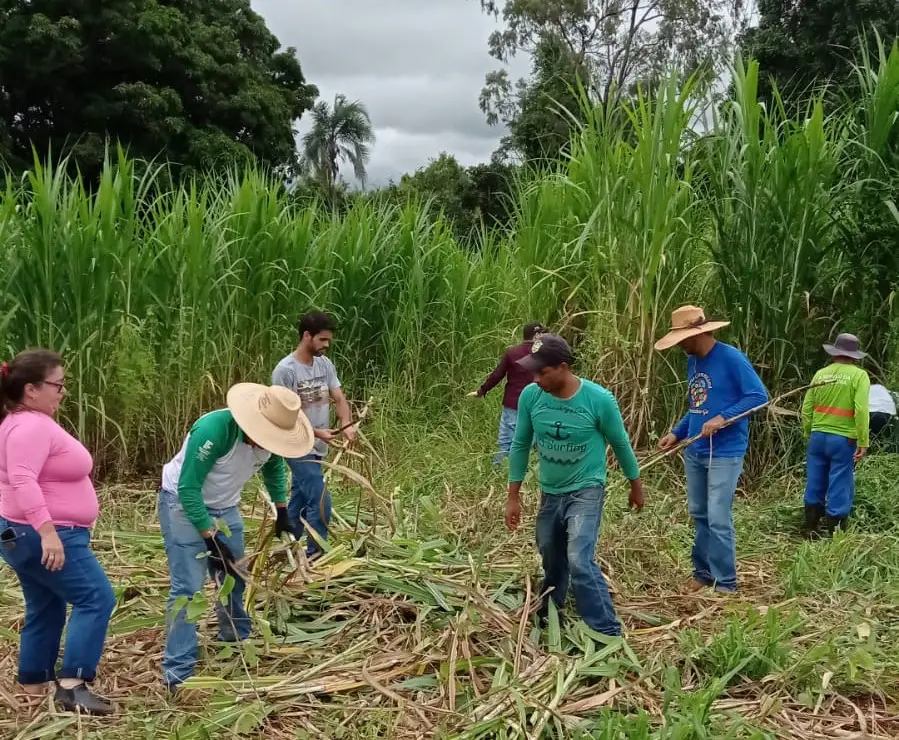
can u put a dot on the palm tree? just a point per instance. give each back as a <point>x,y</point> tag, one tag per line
<point>343,132</point>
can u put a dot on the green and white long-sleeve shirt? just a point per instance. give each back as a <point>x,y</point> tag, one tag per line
<point>215,463</point>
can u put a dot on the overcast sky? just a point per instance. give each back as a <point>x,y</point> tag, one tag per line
<point>418,65</point>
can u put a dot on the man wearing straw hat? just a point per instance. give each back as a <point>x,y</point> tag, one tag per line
<point>722,384</point>
<point>572,421</point>
<point>836,422</point>
<point>198,507</point>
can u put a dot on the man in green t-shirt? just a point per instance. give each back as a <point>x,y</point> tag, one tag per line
<point>835,420</point>
<point>572,420</point>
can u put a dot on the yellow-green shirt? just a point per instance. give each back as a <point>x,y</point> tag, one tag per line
<point>841,407</point>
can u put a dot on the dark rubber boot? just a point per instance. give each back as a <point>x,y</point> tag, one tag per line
<point>813,515</point>
<point>833,523</point>
<point>542,614</point>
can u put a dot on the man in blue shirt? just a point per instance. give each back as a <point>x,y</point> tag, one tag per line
<point>722,384</point>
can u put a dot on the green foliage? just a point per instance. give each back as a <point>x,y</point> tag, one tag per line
<point>342,132</point>
<point>801,45</point>
<point>199,284</point>
<point>471,199</point>
<point>202,85</point>
<point>750,647</point>
<point>760,161</point>
<point>876,265</point>
<point>546,109</point>
<point>609,47</point>
<point>615,237</point>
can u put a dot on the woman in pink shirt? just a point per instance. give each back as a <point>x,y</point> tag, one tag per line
<point>47,507</point>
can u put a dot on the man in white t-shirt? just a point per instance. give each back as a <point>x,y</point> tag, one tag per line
<point>312,376</point>
<point>881,407</point>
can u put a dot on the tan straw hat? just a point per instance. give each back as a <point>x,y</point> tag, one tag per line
<point>688,321</point>
<point>271,417</point>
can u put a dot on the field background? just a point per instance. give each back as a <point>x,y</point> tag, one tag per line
<point>416,623</point>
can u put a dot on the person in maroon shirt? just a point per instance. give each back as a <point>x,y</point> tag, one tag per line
<point>517,379</point>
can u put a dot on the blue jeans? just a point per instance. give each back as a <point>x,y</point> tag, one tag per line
<point>567,529</point>
<point>831,473</point>
<point>507,422</point>
<point>81,582</point>
<point>184,548</point>
<point>711,485</point>
<point>307,489</point>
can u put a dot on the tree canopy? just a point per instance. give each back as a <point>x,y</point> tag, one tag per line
<point>802,43</point>
<point>200,84</point>
<point>543,110</point>
<point>470,198</point>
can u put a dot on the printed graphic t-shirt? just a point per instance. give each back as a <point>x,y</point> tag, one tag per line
<point>313,384</point>
<point>723,382</point>
<point>571,437</point>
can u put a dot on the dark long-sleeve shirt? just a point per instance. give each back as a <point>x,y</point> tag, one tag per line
<point>517,378</point>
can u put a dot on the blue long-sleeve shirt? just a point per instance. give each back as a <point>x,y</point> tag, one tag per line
<point>721,383</point>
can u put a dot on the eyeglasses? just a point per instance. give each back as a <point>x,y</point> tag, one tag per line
<point>60,387</point>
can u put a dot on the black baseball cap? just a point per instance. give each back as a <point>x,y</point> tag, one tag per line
<point>532,329</point>
<point>550,350</point>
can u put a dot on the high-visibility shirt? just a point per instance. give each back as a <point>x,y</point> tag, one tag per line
<point>840,406</point>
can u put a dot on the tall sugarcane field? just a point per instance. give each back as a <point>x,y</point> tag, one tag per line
<point>419,618</point>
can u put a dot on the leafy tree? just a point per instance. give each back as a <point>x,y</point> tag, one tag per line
<point>343,132</point>
<point>543,110</point>
<point>611,45</point>
<point>800,44</point>
<point>200,83</point>
<point>471,199</point>
<point>492,193</point>
<point>448,185</point>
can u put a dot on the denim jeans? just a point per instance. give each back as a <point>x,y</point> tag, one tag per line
<point>184,548</point>
<point>567,529</point>
<point>831,473</point>
<point>307,487</point>
<point>711,484</point>
<point>507,422</point>
<point>80,582</point>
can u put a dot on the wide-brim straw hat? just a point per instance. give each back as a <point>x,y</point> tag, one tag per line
<point>688,321</point>
<point>845,345</point>
<point>271,416</point>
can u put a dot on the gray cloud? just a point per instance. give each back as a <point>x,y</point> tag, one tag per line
<point>418,65</point>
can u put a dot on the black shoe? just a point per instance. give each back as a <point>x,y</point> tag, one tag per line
<point>813,515</point>
<point>81,699</point>
<point>833,523</point>
<point>543,617</point>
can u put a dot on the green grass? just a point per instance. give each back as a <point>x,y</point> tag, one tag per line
<point>147,286</point>
<point>417,630</point>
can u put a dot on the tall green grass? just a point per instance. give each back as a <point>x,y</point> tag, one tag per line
<point>160,296</point>
<point>160,299</point>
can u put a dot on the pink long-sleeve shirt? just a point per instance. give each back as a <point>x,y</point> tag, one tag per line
<point>44,473</point>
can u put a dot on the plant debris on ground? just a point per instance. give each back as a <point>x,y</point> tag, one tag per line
<point>418,623</point>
